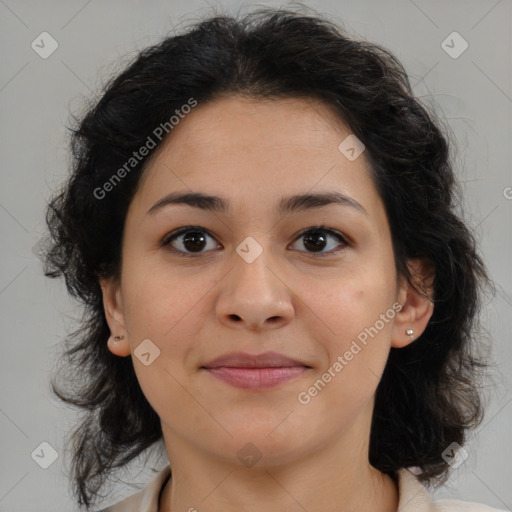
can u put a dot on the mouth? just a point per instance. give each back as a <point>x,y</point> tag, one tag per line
<point>259,371</point>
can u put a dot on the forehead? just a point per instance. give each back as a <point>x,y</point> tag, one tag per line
<point>246,144</point>
<point>256,123</point>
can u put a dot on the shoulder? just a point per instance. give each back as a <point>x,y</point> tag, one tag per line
<point>414,497</point>
<point>464,506</point>
<point>146,500</point>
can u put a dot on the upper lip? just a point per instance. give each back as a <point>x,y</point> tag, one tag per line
<point>244,360</point>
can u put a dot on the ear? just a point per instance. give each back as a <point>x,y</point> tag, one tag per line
<point>114,313</point>
<point>417,306</point>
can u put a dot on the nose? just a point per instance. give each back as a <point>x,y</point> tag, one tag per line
<point>255,296</point>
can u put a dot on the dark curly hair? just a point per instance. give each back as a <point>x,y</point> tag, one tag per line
<point>429,393</point>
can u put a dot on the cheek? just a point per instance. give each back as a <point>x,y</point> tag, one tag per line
<point>353,300</point>
<point>159,302</point>
<point>170,310</point>
<point>357,316</point>
<point>167,311</point>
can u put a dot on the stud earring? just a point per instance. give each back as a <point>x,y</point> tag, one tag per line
<point>409,332</point>
<point>119,338</point>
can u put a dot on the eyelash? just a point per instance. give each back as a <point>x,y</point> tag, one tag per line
<point>166,241</point>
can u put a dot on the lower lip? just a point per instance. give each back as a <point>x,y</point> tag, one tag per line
<point>256,378</point>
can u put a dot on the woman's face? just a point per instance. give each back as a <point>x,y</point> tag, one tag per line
<point>253,277</point>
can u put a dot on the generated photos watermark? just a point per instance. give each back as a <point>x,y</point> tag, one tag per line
<point>305,397</point>
<point>137,156</point>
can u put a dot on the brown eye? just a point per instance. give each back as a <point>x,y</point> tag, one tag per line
<point>189,240</point>
<point>316,239</point>
<point>195,241</point>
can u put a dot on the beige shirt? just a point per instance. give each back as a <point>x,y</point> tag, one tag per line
<point>413,497</point>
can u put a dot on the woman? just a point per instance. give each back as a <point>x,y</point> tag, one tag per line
<point>260,224</point>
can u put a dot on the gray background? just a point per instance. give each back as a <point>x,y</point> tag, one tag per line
<point>472,93</point>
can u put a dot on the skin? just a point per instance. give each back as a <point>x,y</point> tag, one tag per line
<point>313,456</point>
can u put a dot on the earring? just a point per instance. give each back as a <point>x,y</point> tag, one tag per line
<point>409,332</point>
<point>119,338</point>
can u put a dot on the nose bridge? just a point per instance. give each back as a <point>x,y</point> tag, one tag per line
<point>255,266</point>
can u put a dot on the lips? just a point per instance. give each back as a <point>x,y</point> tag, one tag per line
<point>264,360</point>
<point>255,372</point>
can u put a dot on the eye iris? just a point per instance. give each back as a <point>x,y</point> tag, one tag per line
<point>194,241</point>
<point>313,240</point>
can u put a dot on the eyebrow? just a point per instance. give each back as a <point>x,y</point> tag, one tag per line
<point>295,203</point>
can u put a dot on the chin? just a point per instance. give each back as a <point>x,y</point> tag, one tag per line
<point>263,443</point>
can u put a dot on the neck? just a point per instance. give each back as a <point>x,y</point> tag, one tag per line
<point>331,478</point>
<point>275,490</point>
